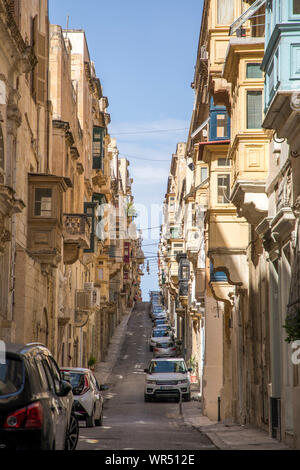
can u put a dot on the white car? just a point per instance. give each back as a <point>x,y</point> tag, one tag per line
<point>167,377</point>
<point>157,336</point>
<point>165,348</point>
<point>88,401</point>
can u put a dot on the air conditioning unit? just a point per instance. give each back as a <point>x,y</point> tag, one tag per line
<point>82,300</point>
<point>203,53</point>
<point>87,298</point>
<point>88,285</point>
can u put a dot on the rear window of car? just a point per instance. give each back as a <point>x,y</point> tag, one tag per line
<point>77,381</point>
<point>160,334</point>
<point>12,375</point>
<point>167,366</point>
<point>165,345</point>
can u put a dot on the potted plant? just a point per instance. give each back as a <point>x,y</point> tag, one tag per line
<point>193,364</point>
<point>292,325</point>
<point>91,362</point>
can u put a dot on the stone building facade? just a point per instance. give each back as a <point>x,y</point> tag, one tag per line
<point>60,282</point>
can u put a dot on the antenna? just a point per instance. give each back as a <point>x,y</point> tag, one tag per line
<point>67,27</point>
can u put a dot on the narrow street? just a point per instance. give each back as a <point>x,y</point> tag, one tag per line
<point>129,423</point>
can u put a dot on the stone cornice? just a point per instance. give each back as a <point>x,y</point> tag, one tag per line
<point>27,58</point>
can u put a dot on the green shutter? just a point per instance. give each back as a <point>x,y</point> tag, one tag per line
<point>89,210</point>
<point>254,109</point>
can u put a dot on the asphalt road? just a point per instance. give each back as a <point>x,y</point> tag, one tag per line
<point>129,423</point>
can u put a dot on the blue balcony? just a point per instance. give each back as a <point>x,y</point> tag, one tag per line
<point>219,128</point>
<point>281,65</point>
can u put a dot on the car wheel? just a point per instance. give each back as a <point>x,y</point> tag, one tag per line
<point>151,348</point>
<point>90,420</point>
<point>72,433</point>
<point>99,422</point>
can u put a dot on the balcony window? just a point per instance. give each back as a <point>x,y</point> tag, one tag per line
<point>296,7</point>
<point>253,71</point>
<point>225,12</point>
<point>224,161</point>
<point>254,109</point>
<point>175,232</point>
<point>219,128</point>
<point>43,202</point>
<point>204,172</point>
<point>89,210</point>
<point>223,189</point>
<point>100,274</point>
<point>98,148</point>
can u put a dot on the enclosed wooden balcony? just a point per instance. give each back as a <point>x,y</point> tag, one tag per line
<point>76,234</point>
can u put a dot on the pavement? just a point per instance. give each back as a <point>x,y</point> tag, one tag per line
<point>104,369</point>
<point>227,436</point>
<point>222,435</point>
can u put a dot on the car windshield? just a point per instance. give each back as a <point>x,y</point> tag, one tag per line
<point>160,333</point>
<point>11,376</point>
<point>167,367</point>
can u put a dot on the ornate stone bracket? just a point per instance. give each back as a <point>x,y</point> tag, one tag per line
<point>223,291</point>
<point>250,199</point>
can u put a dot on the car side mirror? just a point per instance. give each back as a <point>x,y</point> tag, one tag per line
<point>190,369</point>
<point>104,387</point>
<point>65,388</point>
<point>146,370</point>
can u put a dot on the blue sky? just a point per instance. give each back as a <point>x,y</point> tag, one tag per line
<point>144,54</point>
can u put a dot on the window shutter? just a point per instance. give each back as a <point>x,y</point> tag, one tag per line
<point>14,8</point>
<point>98,135</point>
<point>89,210</point>
<point>254,109</point>
<point>40,71</point>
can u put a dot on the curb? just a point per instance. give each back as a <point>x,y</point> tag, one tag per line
<point>118,348</point>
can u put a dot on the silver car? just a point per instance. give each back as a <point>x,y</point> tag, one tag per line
<point>88,401</point>
<point>158,336</point>
<point>167,377</point>
<point>165,348</point>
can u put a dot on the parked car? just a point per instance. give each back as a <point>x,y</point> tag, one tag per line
<point>160,322</point>
<point>165,327</point>
<point>36,405</point>
<point>88,401</point>
<point>165,348</point>
<point>159,335</point>
<point>159,316</point>
<point>167,377</point>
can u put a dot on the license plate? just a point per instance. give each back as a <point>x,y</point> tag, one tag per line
<point>165,387</point>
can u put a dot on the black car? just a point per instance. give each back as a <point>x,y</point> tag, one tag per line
<point>36,405</point>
